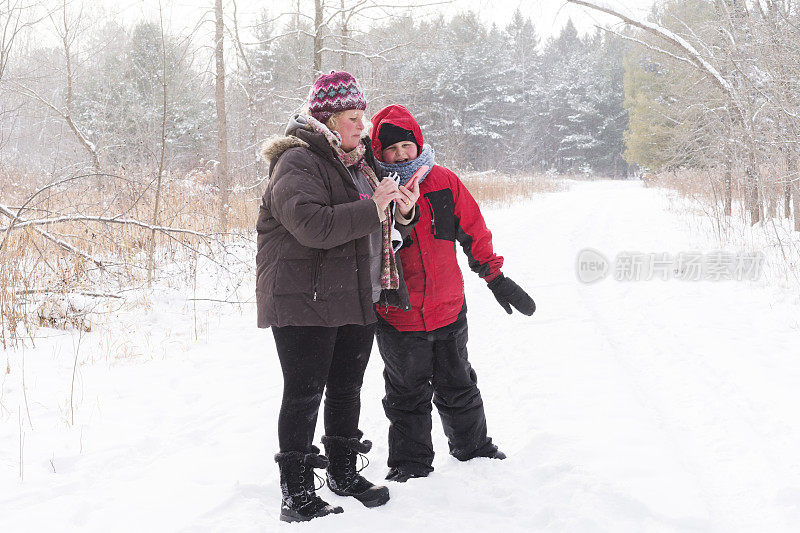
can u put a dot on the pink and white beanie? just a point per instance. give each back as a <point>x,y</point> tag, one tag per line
<point>334,92</point>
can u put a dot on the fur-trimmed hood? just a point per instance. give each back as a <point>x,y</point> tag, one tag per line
<point>274,147</point>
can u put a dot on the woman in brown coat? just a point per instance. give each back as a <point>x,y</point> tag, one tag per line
<point>327,233</point>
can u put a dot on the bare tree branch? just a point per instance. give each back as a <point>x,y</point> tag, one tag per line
<point>23,223</point>
<point>663,33</point>
<point>62,243</point>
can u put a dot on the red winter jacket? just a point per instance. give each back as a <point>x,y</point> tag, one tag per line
<point>448,213</point>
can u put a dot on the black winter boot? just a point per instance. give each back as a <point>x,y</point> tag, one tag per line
<point>402,475</point>
<point>488,450</point>
<point>343,477</point>
<point>299,502</point>
<point>494,454</point>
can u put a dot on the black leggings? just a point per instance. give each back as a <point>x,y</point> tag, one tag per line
<point>313,359</point>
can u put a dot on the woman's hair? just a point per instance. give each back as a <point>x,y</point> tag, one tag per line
<point>331,122</point>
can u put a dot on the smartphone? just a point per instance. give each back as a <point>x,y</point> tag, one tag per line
<point>420,171</point>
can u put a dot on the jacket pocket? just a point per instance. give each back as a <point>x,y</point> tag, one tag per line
<point>443,217</point>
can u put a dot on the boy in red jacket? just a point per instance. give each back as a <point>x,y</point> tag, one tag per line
<point>425,348</point>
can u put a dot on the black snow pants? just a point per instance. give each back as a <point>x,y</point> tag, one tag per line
<point>313,359</point>
<point>422,366</point>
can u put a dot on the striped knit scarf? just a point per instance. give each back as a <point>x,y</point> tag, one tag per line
<point>355,157</point>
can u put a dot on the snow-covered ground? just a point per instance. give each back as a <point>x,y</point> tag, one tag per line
<point>623,406</point>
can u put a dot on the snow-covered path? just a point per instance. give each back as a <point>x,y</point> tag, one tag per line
<point>623,406</point>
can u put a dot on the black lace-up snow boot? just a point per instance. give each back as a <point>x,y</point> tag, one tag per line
<point>343,475</point>
<point>299,502</point>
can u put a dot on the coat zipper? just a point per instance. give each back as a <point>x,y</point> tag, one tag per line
<point>433,216</point>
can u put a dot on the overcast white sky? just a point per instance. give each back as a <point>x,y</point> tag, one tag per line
<point>548,15</point>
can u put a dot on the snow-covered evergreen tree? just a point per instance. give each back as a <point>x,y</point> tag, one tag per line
<point>121,100</point>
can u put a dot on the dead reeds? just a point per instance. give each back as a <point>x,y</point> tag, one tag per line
<point>89,237</point>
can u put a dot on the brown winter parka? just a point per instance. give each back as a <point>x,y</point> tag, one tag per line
<point>313,258</point>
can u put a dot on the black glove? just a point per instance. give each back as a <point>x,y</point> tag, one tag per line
<point>509,293</point>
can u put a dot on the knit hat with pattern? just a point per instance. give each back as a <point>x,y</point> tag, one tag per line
<point>334,92</point>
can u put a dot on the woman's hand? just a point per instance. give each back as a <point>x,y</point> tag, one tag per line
<point>384,193</point>
<point>409,193</point>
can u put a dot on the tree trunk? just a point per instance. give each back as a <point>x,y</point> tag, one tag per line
<point>345,33</point>
<point>67,39</point>
<point>222,119</point>
<point>301,71</point>
<point>318,41</point>
<point>728,189</point>
<point>787,200</point>
<point>753,198</point>
<point>795,183</point>
<point>790,179</point>
<point>249,85</point>
<point>156,207</point>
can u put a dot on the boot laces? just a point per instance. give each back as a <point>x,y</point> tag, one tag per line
<point>303,470</point>
<point>364,462</point>
<point>352,472</point>
<point>304,488</point>
<point>308,495</point>
<point>321,481</point>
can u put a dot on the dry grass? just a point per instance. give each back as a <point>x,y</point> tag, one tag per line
<point>502,190</point>
<point>39,280</point>
<point>37,275</point>
<point>15,318</point>
<point>774,235</point>
<point>708,186</point>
